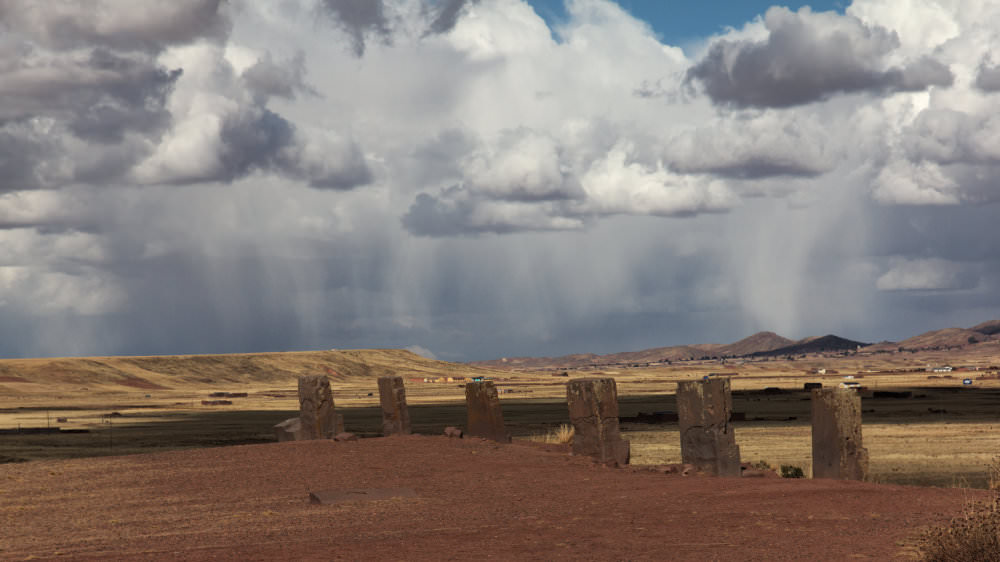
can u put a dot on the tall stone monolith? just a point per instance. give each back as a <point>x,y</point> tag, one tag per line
<point>485,414</point>
<point>704,409</point>
<point>837,450</point>
<point>316,413</point>
<point>395,414</point>
<point>593,411</point>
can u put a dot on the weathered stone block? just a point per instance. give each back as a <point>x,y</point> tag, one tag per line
<point>395,414</point>
<point>708,443</point>
<point>288,430</point>
<point>593,411</point>
<point>485,414</point>
<point>837,450</point>
<point>316,411</point>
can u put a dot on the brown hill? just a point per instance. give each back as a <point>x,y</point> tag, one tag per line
<point>654,355</point>
<point>822,344</point>
<point>166,372</point>
<point>757,343</point>
<point>989,328</point>
<point>948,337</point>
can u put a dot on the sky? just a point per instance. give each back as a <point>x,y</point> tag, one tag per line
<point>474,179</point>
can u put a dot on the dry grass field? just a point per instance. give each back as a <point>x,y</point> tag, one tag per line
<point>944,433</point>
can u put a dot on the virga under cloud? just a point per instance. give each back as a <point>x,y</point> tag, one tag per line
<point>457,176</point>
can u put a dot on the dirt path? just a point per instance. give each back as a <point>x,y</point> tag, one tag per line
<point>473,500</point>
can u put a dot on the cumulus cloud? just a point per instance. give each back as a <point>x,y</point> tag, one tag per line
<point>905,182</point>
<point>308,173</point>
<point>522,166</point>
<point>526,185</point>
<point>768,145</point>
<point>949,136</point>
<point>223,129</point>
<point>808,57</point>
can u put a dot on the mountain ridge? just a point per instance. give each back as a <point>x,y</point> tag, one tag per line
<point>760,344</point>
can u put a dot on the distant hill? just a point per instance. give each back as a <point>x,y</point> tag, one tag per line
<point>180,371</point>
<point>761,342</point>
<point>822,344</point>
<point>948,337</point>
<point>989,328</point>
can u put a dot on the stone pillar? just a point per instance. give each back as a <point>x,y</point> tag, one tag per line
<point>593,410</point>
<point>707,438</point>
<point>837,451</point>
<point>395,414</point>
<point>485,415</point>
<point>316,414</point>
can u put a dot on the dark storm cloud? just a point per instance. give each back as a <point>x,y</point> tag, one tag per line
<point>988,77</point>
<point>760,167</point>
<point>360,19</point>
<point>431,216</point>
<point>22,152</point>
<point>367,19</point>
<point>267,77</point>
<point>459,212</point>
<point>351,171</point>
<point>807,58</point>
<point>252,139</point>
<point>137,25</point>
<point>130,88</point>
<point>134,102</point>
<point>445,14</point>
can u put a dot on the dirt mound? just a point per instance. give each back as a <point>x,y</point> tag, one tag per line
<point>471,500</point>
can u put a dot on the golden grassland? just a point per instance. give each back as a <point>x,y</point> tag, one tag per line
<point>944,434</point>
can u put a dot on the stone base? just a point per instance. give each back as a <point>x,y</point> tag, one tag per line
<point>288,430</point>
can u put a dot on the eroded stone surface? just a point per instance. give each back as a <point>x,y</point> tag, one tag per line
<point>485,414</point>
<point>837,449</point>
<point>708,443</point>
<point>593,411</point>
<point>395,414</point>
<point>316,412</point>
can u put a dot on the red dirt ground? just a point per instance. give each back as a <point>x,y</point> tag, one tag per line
<point>474,500</point>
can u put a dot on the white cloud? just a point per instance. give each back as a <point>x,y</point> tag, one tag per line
<point>920,274</point>
<point>421,351</point>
